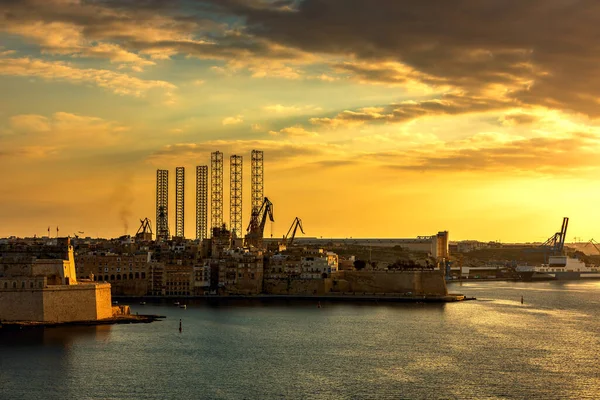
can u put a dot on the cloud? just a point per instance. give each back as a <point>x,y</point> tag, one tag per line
<point>275,151</point>
<point>29,123</point>
<point>297,131</point>
<point>568,154</point>
<point>536,52</point>
<point>519,118</point>
<point>233,120</point>
<point>281,109</point>
<point>29,152</point>
<point>116,82</point>
<point>447,104</point>
<point>138,34</point>
<point>64,129</point>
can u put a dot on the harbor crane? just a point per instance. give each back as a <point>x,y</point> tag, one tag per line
<point>289,240</point>
<point>556,243</point>
<point>593,243</point>
<point>256,228</point>
<point>144,232</point>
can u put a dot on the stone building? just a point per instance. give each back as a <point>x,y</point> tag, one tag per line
<point>126,272</point>
<point>38,282</point>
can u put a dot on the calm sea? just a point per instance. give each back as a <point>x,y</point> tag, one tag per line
<point>492,348</point>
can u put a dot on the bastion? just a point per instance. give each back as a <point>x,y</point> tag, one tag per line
<point>39,284</point>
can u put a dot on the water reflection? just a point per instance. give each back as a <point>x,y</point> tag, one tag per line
<point>53,337</point>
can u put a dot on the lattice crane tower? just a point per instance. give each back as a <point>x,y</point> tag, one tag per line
<point>216,187</point>
<point>257,179</point>
<point>235,195</point>
<point>179,201</point>
<point>201,201</point>
<point>162,204</point>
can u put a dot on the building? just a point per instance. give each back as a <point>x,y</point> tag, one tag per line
<point>126,272</point>
<point>38,282</point>
<point>434,245</point>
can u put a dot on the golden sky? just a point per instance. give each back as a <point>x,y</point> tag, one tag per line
<point>383,119</point>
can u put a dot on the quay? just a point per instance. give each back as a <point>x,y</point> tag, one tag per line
<point>122,319</point>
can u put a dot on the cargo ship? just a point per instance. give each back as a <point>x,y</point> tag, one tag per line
<point>559,268</point>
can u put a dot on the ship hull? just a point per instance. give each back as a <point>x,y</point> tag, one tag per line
<point>530,276</point>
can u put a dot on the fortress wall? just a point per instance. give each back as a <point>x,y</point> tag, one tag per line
<point>75,303</point>
<point>297,286</point>
<point>59,303</point>
<point>103,301</point>
<point>415,282</point>
<point>21,305</point>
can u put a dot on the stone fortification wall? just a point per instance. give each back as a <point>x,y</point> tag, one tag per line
<point>59,303</point>
<point>400,282</point>
<point>297,286</point>
<point>134,287</point>
<point>21,305</point>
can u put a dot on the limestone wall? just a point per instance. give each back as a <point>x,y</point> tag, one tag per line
<point>103,301</point>
<point>297,286</point>
<point>59,303</point>
<point>21,305</point>
<point>415,282</point>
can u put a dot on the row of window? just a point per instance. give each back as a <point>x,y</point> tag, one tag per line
<point>119,277</point>
<point>23,285</point>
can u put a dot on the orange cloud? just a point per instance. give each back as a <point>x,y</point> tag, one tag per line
<point>116,82</point>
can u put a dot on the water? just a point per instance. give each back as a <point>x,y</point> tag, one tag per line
<point>493,348</point>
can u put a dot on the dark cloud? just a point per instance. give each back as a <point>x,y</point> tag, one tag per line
<point>543,155</point>
<point>449,104</point>
<point>544,50</point>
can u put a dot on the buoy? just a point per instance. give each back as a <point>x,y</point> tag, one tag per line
<point>521,299</point>
<point>319,304</point>
<point>180,326</point>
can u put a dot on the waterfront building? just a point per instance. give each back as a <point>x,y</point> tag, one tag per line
<point>38,282</point>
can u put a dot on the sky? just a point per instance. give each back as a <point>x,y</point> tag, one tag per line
<point>377,118</point>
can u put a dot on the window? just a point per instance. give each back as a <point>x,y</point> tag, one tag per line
<point>5,285</point>
<point>23,285</point>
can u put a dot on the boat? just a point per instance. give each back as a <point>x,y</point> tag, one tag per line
<point>182,306</point>
<point>176,303</point>
<point>142,303</point>
<point>559,268</point>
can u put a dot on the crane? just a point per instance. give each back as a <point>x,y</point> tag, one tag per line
<point>555,243</point>
<point>144,232</point>
<point>293,228</point>
<point>593,243</point>
<point>256,228</point>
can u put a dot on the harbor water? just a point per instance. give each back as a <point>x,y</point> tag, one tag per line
<point>492,348</point>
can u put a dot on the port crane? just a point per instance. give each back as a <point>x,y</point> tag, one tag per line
<point>593,243</point>
<point>144,232</point>
<point>256,228</point>
<point>555,244</point>
<point>289,240</point>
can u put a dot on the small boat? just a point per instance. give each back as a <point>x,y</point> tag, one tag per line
<point>182,306</point>
<point>115,302</point>
<point>142,303</point>
<point>176,303</point>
